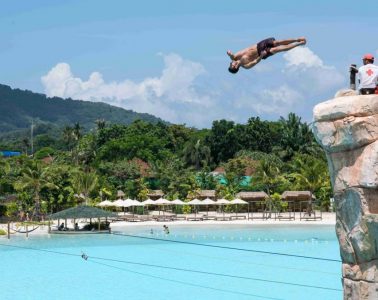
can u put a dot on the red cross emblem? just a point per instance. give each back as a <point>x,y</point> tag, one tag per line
<point>369,72</point>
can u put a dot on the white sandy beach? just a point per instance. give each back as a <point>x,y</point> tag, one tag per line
<point>327,219</point>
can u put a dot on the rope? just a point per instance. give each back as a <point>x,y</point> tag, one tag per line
<point>19,230</point>
<point>181,252</point>
<point>86,257</point>
<point>186,283</point>
<point>228,248</point>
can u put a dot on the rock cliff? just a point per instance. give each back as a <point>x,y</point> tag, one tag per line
<point>347,129</point>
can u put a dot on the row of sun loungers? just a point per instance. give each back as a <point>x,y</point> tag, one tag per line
<point>168,217</point>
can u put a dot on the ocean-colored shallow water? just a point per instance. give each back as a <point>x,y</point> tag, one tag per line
<point>125,272</point>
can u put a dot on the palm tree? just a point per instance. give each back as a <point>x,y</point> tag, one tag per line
<point>309,173</point>
<point>268,176</point>
<point>68,136</point>
<point>197,154</point>
<point>77,131</point>
<point>35,178</point>
<point>101,124</point>
<point>84,183</point>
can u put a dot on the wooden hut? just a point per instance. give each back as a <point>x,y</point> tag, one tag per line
<point>296,196</point>
<point>82,212</point>
<point>203,194</point>
<point>155,194</point>
<point>252,196</point>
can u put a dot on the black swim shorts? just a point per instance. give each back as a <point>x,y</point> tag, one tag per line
<point>264,46</point>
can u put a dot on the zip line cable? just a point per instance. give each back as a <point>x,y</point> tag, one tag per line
<point>227,247</point>
<point>213,273</point>
<point>186,283</point>
<point>241,261</point>
<point>86,257</point>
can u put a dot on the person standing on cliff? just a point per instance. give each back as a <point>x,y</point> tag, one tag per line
<point>251,56</point>
<point>368,75</point>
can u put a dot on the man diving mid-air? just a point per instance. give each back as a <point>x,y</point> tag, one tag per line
<point>251,56</point>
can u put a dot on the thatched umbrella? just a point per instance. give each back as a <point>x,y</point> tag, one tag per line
<point>195,202</point>
<point>208,202</point>
<point>222,202</point>
<point>105,203</point>
<point>82,212</point>
<point>162,201</point>
<point>236,202</point>
<point>148,202</point>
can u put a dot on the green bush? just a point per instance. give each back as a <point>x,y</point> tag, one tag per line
<point>44,152</point>
<point>3,232</point>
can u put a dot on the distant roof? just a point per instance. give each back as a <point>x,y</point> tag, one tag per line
<point>120,193</point>
<point>252,195</point>
<point>155,193</point>
<point>207,194</point>
<point>82,211</point>
<point>9,153</point>
<point>296,195</point>
<point>218,170</point>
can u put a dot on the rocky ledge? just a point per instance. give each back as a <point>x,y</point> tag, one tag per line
<point>347,129</point>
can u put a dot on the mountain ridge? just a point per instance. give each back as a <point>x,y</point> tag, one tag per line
<point>19,107</point>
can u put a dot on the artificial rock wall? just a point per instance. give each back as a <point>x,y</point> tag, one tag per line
<point>347,129</point>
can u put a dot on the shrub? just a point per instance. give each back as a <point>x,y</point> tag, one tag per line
<point>2,232</point>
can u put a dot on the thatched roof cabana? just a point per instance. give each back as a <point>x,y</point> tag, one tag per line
<point>155,194</point>
<point>252,196</point>
<point>203,194</point>
<point>296,196</point>
<point>82,212</point>
<point>120,194</point>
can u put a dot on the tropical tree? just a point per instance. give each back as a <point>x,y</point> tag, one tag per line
<point>197,154</point>
<point>310,173</point>
<point>84,183</point>
<point>295,137</point>
<point>268,176</point>
<point>34,179</point>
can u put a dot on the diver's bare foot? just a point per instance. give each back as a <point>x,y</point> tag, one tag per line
<point>302,41</point>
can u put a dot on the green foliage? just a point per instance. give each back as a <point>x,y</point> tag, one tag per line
<point>3,232</point>
<point>44,152</point>
<point>12,209</point>
<point>136,153</point>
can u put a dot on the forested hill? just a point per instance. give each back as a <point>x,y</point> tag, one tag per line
<point>18,108</point>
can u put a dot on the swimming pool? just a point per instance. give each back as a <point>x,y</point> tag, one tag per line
<point>204,262</point>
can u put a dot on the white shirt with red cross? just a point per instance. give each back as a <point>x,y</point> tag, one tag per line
<point>368,75</point>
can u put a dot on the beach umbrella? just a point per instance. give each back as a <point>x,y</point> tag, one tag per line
<point>138,203</point>
<point>162,201</point>
<point>236,202</point>
<point>208,202</point>
<point>222,202</point>
<point>148,202</point>
<point>105,203</point>
<point>128,202</point>
<point>195,202</point>
<point>118,203</point>
<point>178,202</point>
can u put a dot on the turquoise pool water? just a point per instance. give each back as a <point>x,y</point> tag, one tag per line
<point>126,271</point>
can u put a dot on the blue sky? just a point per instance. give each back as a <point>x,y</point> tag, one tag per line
<point>168,58</point>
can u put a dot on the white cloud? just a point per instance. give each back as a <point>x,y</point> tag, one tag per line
<point>302,57</point>
<point>307,72</point>
<point>277,100</point>
<point>156,95</point>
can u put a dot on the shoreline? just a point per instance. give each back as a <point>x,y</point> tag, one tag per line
<point>328,219</point>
